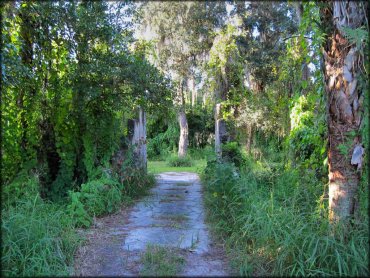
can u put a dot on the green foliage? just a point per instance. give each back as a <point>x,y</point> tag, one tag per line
<point>175,161</point>
<point>38,239</point>
<point>306,140</point>
<point>274,222</point>
<point>231,153</point>
<point>22,187</point>
<point>357,36</point>
<point>201,126</point>
<point>164,143</point>
<point>95,198</point>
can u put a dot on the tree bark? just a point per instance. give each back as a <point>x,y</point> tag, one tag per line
<point>184,131</point>
<point>345,105</point>
<point>183,122</point>
<point>305,70</point>
<point>139,139</point>
<point>249,138</point>
<point>217,130</point>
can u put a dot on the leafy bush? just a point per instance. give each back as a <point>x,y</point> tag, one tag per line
<point>175,161</point>
<point>207,152</point>
<point>38,239</point>
<point>163,143</point>
<point>231,153</point>
<point>23,186</point>
<point>274,222</point>
<point>95,198</point>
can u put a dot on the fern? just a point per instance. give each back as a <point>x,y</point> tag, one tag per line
<point>358,36</point>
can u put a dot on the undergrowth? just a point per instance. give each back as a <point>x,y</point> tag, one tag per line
<point>175,161</point>
<point>39,236</point>
<point>274,222</point>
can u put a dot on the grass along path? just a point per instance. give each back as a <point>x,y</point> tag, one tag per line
<point>156,167</point>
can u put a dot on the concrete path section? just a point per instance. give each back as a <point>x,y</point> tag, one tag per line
<point>171,216</point>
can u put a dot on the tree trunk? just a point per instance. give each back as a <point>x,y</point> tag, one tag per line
<point>183,122</point>
<point>217,131</point>
<point>193,91</point>
<point>345,105</point>
<point>249,138</point>
<point>305,70</point>
<point>221,133</point>
<point>139,139</point>
<point>184,131</point>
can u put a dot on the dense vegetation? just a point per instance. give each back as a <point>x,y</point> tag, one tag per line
<point>70,82</point>
<point>274,96</point>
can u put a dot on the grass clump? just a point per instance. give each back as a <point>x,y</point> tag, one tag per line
<point>275,222</point>
<point>161,261</point>
<point>175,161</point>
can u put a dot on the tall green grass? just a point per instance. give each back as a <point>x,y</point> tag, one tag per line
<point>38,239</point>
<point>274,222</point>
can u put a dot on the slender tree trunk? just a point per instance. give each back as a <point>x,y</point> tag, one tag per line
<point>217,130</point>
<point>184,131</point>
<point>183,123</point>
<point>222,135</point>
<point>345,104</point>
<point>139,139</point>
<point>305,71</point>
<point>249,138</point>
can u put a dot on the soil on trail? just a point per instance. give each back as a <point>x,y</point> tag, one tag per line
<point>171,216</point>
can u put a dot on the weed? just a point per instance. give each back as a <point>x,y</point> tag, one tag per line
<point>161,261</point>
<point>175,217</point>
<point>183,184</point>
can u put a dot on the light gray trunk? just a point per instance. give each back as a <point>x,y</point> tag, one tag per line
<point>139,139</point>
<point>217,130</point>
<point>221,133</point>
<point>249,138</point>
<point>193,91</point>
<point>184,131</point>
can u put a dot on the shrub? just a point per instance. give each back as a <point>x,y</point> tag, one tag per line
<point>231,153</point>
<point>95,198</point>
<point>175,161</point>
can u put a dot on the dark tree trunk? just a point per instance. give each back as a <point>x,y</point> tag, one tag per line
<point>345,105</point>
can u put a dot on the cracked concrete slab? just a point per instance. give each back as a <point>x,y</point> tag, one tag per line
<point>171,216</point>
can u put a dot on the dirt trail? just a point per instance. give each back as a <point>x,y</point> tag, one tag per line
<point>171,216</point>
